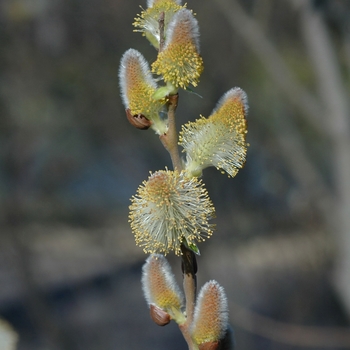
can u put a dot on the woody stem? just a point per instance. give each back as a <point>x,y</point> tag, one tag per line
<point>189,269</point>
<point>189,263</point>
<point>169,139</point>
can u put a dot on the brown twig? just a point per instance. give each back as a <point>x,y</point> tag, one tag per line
<point>189,270</point>
<point>169,139</point>
<point>189,264</point>
<point>286,333</point>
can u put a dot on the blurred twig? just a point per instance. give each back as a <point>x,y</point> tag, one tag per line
<point>320,337</point>
<point>273,62</point>
<point>334,98</point>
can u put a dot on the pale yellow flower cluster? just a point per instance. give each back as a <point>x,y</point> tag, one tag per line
<point>162,293</point>
<point>219,140</point>
<point>147,22</point>
<point>171,211</point>
<point>172,208</point>
<point>160,287</point>
<point>168,210</point>
<point>179,62</point>
<point>137,87</point>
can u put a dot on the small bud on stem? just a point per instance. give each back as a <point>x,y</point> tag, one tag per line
<point>139,121</point>
<point>159,316</point>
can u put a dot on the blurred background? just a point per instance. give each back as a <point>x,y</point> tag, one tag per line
<point>69,162</point>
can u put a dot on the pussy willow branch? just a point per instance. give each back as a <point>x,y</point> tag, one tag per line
<point>189,269</point>
<point>169,139</point>
<point>189,263</point>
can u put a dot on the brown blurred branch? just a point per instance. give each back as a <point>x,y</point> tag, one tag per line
<point>303,169</point>
<point>334,97</point>
<point>253,35</point>
<point>292,334</point>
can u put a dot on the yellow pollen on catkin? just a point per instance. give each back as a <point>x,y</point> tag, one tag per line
<point>219,140</point>
<point>147,22</point>
<point>167,299</point>
<point>232,114</point>
<point>162,291</point>
<point>139,92</point>
<point>179,64</point>
<point>137,89</point>
<point>160,287</point>
<point>170,209</point>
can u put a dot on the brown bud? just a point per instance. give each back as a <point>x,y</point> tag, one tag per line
<point>209,346</point>
<point>139,121</point>
<point>159,316</point>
